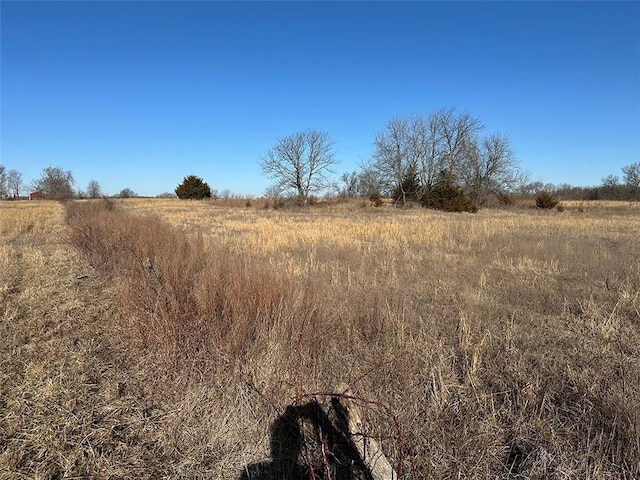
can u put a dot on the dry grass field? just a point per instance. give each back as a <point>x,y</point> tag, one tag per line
<point>175,339</point>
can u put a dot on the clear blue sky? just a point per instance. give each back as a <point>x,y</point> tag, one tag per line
<point>140,94</point>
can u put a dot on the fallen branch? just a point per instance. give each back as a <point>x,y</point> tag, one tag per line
<point>368,449</point>
<point>149,267</point>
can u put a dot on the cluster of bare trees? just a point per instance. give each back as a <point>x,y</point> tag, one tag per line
<point>628,188</point>
<point>10,183</point>
<point>411,154</point>
<point>55,183</point>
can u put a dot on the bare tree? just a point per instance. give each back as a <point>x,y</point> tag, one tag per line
<point>458,132</point>
<point>611,186</point>
<point>442,141</point>
<point>369,183</point>
<point>56,183</point>
<point>14,182</point>
<point>93,189</point>
<point>3,179</point>
<point>489,167</point>
<point>527,187</point>
<point>632,177</point>
<point>428,148</point>
<point>300,164</point>
<point>393,158</point>
<point>349,186</point>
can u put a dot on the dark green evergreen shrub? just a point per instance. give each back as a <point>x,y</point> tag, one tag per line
<point>446,195</point>
<point>193,187</point>
<point>409,189</point>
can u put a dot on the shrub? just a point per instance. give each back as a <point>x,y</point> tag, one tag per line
<point>505,199</point>
<point>193,187</point>
<point>279,203</point>
<point>446,195</point>
<point>408,190</point>
<point>375,199</point>
<point>546,200</point>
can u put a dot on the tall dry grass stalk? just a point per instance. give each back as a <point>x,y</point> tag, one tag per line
<point>501,345</point>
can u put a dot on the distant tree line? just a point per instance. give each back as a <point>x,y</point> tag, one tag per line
<point>54,183</point>
<point>440,160</point>
<point>612,187</point>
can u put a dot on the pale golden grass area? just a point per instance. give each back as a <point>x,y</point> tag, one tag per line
<point>504,344</point>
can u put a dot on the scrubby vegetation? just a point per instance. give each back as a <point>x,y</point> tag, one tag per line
<point>151,339</point>
<point>546,200</point>
<point>446,195</point>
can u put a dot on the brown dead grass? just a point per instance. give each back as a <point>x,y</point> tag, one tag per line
<point>504,344</point>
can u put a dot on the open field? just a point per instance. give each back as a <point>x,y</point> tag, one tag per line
<point>166,338</point>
